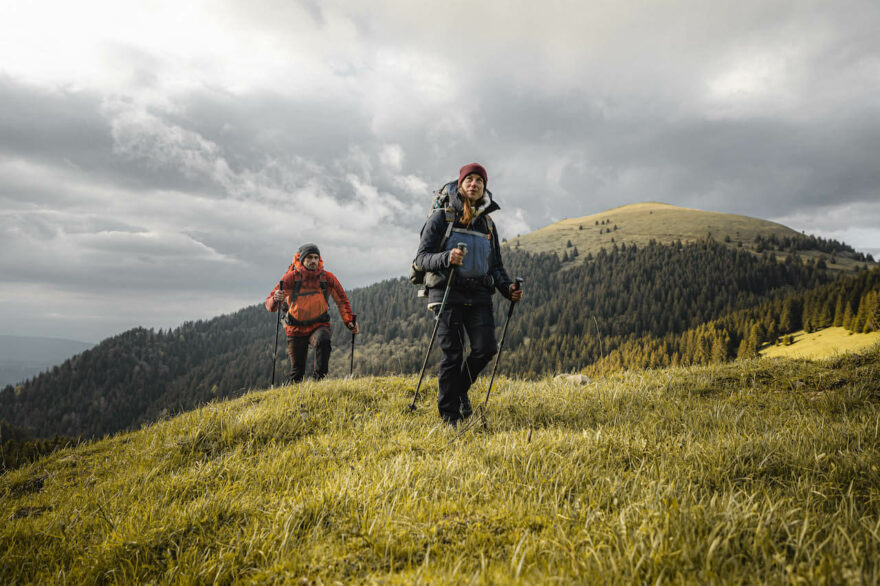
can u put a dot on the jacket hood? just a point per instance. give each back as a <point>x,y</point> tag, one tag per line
<point>487,205</point>
<point>297,265</point>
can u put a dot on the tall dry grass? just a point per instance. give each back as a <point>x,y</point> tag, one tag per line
<point>755,472</point>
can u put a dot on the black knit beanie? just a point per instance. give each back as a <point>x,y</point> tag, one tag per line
<point>307,249</point>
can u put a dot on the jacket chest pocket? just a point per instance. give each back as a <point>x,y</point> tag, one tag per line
<point>476,261</point>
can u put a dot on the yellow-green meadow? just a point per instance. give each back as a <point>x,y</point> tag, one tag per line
<point>823,343</point>
<point>759,471</point>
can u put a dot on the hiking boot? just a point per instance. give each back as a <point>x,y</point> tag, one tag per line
<point>451,422</point>
<point>464,407</point>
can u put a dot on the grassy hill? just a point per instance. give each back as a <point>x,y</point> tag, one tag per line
<point>753,472</point>
<point>573,316</point>
<point>141,375</point>
<point>642,222</point>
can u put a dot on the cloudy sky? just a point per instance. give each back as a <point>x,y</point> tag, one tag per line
<point>161,161</point>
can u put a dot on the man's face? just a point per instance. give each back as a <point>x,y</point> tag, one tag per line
<point>472,187</point>
<point>311,261</point>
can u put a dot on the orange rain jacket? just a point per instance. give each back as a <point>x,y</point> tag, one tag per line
<point>310,308</point>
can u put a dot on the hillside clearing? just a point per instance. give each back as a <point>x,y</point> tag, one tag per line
<point>753,472</point>
<point>823,343</point>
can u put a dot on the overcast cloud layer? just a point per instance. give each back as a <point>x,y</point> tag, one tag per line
<point>162,161</point>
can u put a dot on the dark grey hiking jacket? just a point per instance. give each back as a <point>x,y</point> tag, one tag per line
<point>432,259</point>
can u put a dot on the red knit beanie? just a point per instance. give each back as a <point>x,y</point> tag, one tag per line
<point>473,168</point>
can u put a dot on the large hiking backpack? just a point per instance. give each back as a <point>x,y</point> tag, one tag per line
<point>441,203</point>
<point>309,306</point>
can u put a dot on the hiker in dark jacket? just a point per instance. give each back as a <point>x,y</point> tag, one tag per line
<point>477,274</point>
<point>304,298</point>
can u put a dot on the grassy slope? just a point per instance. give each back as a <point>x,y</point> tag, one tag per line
<point>824,343</point>
<point>760,471</point>
<point>642,222</point>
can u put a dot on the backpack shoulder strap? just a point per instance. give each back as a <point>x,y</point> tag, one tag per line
<point>297,285</point>
<point>449,215</point>
<point>325,290</point>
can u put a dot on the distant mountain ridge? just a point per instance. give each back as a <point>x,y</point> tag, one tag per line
<point>22,357</point>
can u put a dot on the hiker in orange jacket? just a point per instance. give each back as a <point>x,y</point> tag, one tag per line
<point>304,299</point>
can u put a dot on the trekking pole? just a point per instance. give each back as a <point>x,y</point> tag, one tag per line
<point>517,285</point>
<point>277,323</point>
<point>354,321</point>
<point>462,247</point>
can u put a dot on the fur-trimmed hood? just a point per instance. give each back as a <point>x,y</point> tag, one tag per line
<point>487,204</point>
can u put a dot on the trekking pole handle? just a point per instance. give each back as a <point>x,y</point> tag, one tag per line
<point>462,247</point>
<point>354,321</point>
<point>517,285</point>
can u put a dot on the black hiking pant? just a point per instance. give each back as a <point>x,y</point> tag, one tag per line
<point>457,374</point>
<point>298,350</point>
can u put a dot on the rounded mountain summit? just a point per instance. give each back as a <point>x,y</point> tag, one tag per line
<point>640,223</point>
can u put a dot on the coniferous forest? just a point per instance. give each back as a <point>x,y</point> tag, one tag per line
<point>626,307</point>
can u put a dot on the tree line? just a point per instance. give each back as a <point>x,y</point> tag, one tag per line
<point>808,242</point>
<point>852,303</point>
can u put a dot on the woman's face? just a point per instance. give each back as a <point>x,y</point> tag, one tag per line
<point>473,187</point>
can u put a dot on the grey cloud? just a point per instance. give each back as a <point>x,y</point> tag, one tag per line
<point>760,108</point>
<point>52,125</point>
<point>255,128</point>
<point>71,129</point>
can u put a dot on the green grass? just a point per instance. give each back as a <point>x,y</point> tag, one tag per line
<point>763,471</point>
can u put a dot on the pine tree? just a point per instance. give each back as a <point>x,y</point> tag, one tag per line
<point>873,321</point>
<point>860,319</point>
<point>825,314</point>
<point>754,341</point>
<point>838,311</point>
<point>847,322</point>
<point>871,312</point>
<point>786,322</point>
<point>719,347</point>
